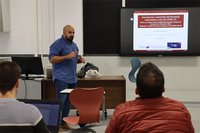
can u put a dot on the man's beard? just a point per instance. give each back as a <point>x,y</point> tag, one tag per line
<point>70,39</point>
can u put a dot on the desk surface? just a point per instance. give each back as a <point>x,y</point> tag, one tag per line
<point>118,77</point>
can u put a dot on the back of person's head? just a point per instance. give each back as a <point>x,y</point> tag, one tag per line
<point>149,81</point>
<point>10,72</point>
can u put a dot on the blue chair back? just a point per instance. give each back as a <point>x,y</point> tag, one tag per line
<point>136,63</point>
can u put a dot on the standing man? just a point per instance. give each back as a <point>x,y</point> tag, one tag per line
<point>64,58</point>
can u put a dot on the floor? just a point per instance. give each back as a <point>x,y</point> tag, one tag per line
<point>193,108</point>
<point>98,129</point>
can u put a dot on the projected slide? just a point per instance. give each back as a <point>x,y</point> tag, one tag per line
<point>160,30</point>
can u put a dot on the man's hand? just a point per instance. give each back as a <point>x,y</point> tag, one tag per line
<point>81,59</point>
<point>72,54</point>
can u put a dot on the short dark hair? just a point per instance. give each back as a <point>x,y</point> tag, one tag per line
<point>10,72</point>
<point>149,81</point>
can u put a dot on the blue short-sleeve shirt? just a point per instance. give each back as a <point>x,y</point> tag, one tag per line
<point>64,71</point>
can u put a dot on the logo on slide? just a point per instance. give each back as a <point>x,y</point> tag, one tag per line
<point>174,44</point>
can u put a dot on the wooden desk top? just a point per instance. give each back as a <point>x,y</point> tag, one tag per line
<point>108,77</point>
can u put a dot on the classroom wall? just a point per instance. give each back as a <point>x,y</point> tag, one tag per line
<point>35,24</point>
<point>181,74</point>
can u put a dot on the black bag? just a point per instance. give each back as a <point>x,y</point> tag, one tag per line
<point>84,69</point>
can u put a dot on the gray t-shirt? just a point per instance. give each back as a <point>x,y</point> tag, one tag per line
<point>20,117</point>
<point>14,112</point>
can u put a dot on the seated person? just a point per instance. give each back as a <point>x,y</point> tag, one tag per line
<point>16,116</point>
<point>150,112</point>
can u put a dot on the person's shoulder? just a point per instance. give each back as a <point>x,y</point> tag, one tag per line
<point>123,107</point>
<point>57,42</point>
<point>173,103</point>
<point>28,107</point>
<point>31,112</point>
<point>125,104</point>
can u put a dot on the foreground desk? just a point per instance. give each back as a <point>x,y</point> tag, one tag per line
<point>114,87</point>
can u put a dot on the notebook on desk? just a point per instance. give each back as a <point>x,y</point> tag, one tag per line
<point>50,110</point>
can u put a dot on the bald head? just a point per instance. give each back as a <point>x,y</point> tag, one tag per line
<point>67,28</point>
<point>68,33</point>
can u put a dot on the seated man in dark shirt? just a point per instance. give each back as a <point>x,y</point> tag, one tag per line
<point>16,116</point>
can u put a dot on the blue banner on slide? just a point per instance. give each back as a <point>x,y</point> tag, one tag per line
<point>174,44</point>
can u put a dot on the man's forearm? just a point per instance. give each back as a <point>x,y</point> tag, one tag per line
<point>58,59</point>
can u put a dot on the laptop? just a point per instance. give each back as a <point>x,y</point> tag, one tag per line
<point>50,110</point>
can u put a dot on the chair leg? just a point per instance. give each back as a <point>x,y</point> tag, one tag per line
<point>81,125</point>
<point>105,112</point>
<point>77,114</point>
